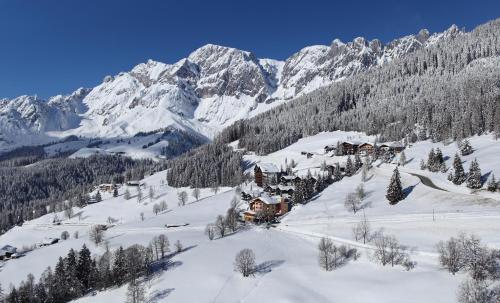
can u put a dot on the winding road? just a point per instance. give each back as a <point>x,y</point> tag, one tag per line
<point>427,182</point>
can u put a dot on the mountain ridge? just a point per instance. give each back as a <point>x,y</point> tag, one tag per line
<point>211,88</point>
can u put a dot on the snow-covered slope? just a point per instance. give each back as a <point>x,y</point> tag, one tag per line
<point>210,89</point>
<point>288,253</point>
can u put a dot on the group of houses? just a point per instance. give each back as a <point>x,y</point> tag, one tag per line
<point>273,198</point>
<point>346,148</point>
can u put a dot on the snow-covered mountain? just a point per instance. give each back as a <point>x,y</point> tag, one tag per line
<point>210,89</point>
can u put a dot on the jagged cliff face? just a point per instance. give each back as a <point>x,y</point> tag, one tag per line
<point>211,88</point>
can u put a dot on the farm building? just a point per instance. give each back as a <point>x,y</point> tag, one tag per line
<point>265,207</point>
<point>107,187</point>
<point>266,173</point>
<point>366,149</point>
<point>8,252</point>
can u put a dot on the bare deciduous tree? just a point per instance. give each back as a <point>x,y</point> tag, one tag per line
<point>156,208</point>
<point>136,293</point>
<point>326,254</point>
<point>178,246</point>
<point>196,193</point>
<point>220,226</point>
<point>210,231</point>
<point>163,205</point>
<point>362,231</point>
<point>182,197</point>
<point>245,262</point>
<point>65,235</point>
<point>352,202</point>
<point>450,255</point>
<point>473,291</point>
<point>96,234</point>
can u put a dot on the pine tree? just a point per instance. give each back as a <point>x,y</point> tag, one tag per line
<point>395,189</point>
<point>357,162</point>
<point>466,148</point>
<point>60,283</point>
<point>492,184</point>
<point>349,167</point>
<point>119,267</point>
<point>474,177</point>
<point>98,197</point>
<point>83,266</point>
<point>337,174</point>
<point>431,160</point>
<point>459,173</point>
<point>75,288</point>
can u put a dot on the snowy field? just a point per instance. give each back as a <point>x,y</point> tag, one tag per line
<point>287,254</point>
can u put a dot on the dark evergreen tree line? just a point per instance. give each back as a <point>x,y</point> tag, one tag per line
<point>207,166</point>
<point>78,273</point>
<point>31,191</point>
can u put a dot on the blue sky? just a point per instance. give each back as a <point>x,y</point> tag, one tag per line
<point>50,47</point>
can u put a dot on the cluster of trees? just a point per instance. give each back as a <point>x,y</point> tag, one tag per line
<point>207,166</point>
<point>78,273</point>
<point>224,224</point>
<point>32,191</point>
<point>160,207</point>
<point>450,90</point>
<point>332,256</point>
<point>388,251</point>
<point>467,253</point>
<point>435,161</point>
<point>473,179</point>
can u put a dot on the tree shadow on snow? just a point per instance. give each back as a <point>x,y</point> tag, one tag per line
<point>407,191</point>
<point>267,266</point>
<point>158,295</point>
<point>446,158</point>
<point>408,161</point>
<point>485,177</point>
<point>369,178</point>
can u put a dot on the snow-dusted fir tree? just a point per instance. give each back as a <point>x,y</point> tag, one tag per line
<point>458,169</point>
<point>357,162</point>
<point>466,148</point>
<point>98,196</point>
<point>395,189</point>
<point>474,176</point>
<point>431,160</point>
<point>337,174</point>
<point>492,184</point>
<point>349,167</point>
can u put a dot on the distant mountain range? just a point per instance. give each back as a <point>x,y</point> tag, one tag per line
<point>210,89</point>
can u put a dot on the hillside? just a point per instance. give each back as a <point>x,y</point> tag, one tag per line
<point>287,252</point>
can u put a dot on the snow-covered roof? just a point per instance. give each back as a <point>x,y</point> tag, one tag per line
<point>288,177</point>
<point>268,168</point>
<point>354,142</point>
<point>397,144</point>
<point>8,249</point>
<point>282,187</point>
<point>267,199</point>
